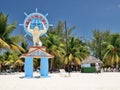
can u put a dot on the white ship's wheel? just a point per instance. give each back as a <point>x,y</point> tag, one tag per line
<point>35,19</point>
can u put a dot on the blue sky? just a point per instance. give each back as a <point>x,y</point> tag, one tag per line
<point>86,15</point>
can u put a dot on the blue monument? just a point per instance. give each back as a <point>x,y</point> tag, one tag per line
<point>36,25</point>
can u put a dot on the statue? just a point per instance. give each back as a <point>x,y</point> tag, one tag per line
<point>36,32</point>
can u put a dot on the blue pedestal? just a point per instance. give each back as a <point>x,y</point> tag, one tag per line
<point>28,67</point>
<point>44,67</point>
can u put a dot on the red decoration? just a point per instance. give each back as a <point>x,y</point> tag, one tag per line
<point>36,16</point>
<point>44,21</point>
<point>27,23</point>
<point>41,17</point>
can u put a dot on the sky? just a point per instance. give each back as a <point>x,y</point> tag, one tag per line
<point>85,15</point>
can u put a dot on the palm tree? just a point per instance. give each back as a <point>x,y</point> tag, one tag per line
<point>1,65</point>
<point>3,45</point>
<point>7,41</point>
<point>55,43</point>
<point>112,48</point>
<point>18,64</point>
<point>24,45</point>
<point>54,47</point>
<point>95,44</point>
<point>4,60</point>
<point>77,51</point>
<point>8,59</point>
<point>60,30</point>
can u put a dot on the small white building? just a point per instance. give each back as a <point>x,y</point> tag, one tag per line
<point>90,65</point>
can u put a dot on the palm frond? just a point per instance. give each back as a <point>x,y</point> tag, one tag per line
<point>20,48</point>
<point>77,60</point>
<point>4,45</point>
<point>3,23</point>
<point>17,39</point>
<point>9,29</point>
<point>14,48</point>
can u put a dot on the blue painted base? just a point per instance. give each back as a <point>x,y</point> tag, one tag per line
<point>28,67</point>
<point>28,77</point>
<point>35,77</point>
<point>45,76</point>
<point>44,67</point>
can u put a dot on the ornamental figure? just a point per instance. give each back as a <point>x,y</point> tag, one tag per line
<point>36,33</point>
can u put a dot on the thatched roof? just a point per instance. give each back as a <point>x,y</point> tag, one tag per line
<point>91,59</point>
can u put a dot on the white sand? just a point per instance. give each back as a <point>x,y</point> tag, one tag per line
<point>77,81</point>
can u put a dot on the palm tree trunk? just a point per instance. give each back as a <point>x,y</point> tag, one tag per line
<point>51,64</point>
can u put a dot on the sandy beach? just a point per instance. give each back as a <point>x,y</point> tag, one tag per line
<point>77,81</point>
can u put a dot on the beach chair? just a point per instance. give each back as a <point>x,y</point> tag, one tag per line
<point>63,73</point>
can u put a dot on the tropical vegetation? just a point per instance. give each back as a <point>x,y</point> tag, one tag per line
<point>106,46</point>
<point>9,44</point>
<point>61,43</point>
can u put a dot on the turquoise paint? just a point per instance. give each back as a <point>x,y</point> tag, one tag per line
<point>44,67</point>
<point>28,67</point>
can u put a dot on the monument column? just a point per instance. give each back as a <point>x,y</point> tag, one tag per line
<point>44,69</point>
<point>28,67</point>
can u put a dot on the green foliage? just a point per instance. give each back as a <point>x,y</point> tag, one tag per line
<point>97,44</point>
<point>106,46</point>
<point>8,41</point>
<point>77,51</point>
<point>74,52</point>
<point>54,47</point>
<point>112,50</point>
<point>36,63</point>
<point>60,42</point>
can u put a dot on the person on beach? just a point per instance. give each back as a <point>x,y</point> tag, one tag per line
<point>69,69</point>
<point>97,68</point>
